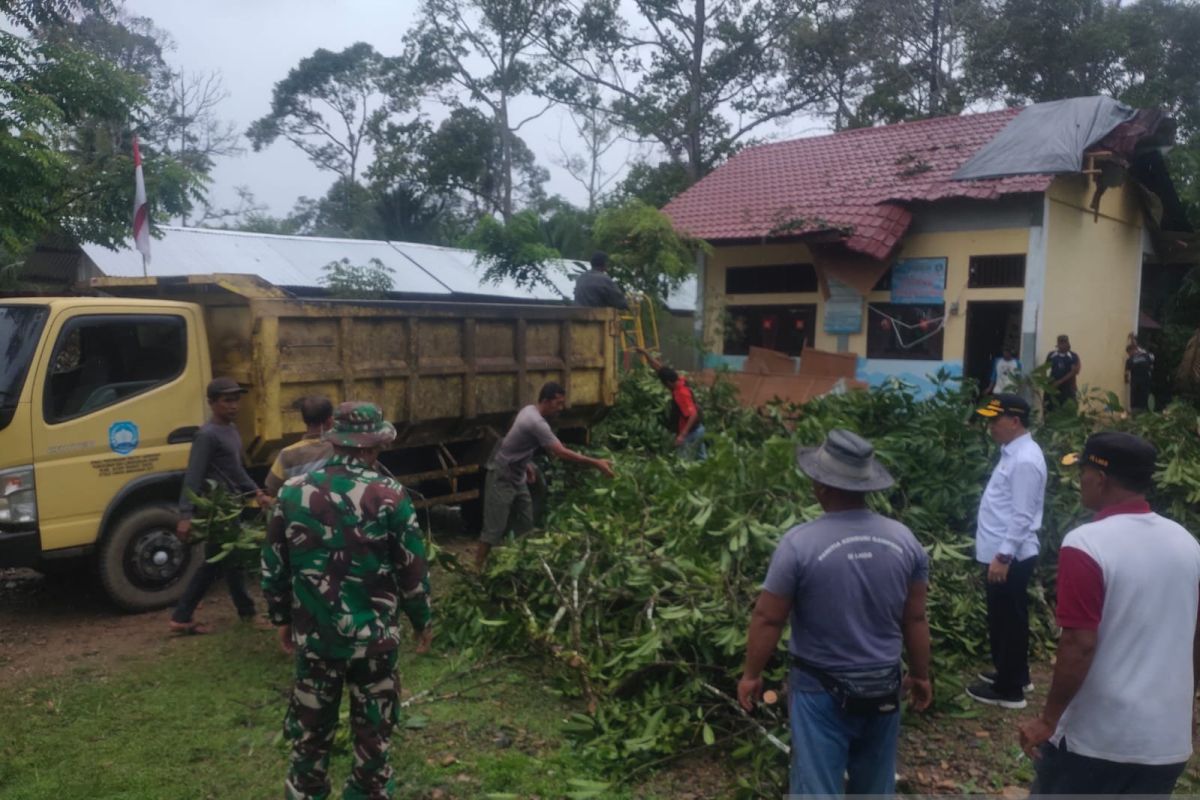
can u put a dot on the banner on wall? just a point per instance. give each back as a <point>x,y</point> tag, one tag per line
<point>919,281</point>
<point>843,309</point>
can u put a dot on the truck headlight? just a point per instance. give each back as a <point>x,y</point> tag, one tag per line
<point>18,500</point>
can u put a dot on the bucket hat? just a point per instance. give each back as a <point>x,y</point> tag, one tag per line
<point>844,460</point>
<point>358,424</point>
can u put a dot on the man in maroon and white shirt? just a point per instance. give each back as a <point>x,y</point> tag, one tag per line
<point>1118,719</point>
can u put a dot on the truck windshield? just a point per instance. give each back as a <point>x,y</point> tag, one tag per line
<point>20,329</point>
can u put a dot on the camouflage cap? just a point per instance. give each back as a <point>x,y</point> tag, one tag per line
<point>358,424</point>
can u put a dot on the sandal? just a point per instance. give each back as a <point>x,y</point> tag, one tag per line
<point>189,628</point>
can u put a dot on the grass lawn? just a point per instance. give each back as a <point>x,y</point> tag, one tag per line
<point>204,722</point>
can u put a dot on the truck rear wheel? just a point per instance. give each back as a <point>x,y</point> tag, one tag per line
<point>142,565</point>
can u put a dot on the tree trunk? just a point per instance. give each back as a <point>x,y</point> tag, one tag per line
<point>695,155</point>
<point>935,58</point>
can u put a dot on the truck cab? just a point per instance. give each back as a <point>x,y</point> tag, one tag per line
<point>99,400</point>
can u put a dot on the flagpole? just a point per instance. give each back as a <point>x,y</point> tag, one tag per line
<point>145,268</point>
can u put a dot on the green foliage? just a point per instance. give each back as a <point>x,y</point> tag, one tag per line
<point>639,589</point>
<point>218,519</point>
<point>671,73</point>
<point>514,249</point>
<point>328,106</point>
<point>645,252</point>
<point>357,281</point>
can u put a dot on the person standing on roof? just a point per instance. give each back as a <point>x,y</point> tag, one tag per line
<point>596,289</point>
<point>684,417</point>
<point>216,455</point>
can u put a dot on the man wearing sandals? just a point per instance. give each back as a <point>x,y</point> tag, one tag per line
<point>335,572</point>
<point>216,455</point>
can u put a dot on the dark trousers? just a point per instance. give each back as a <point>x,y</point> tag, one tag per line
<point>1059,771</point>
<point>1008,625</point>
<point>204,579</point>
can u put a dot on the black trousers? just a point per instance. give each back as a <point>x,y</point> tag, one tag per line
<point>1060,771</point>
<point>204,578</point>
<point>1008,625</point>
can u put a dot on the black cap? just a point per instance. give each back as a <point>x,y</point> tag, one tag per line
<point>1009,405</point>
<point>222,386</point>
<point>1121,455</point>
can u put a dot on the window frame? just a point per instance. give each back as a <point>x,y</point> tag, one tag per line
<point>804,270</point>
<point>81,321</point>
<point>971,264</point>
<point>808,309</point>
<point>876,312</point>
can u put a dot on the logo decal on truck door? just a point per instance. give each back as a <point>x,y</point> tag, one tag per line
<point>123,437</point>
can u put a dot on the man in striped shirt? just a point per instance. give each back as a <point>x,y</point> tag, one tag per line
<point>311,451</point>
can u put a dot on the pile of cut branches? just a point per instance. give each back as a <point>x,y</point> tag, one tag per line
<point>639,589</point>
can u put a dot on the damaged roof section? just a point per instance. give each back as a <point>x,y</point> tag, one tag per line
<point>1053,138</point>
<point>855,187</point>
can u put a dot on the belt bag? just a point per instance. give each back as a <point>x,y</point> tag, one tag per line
<point>861,692</point>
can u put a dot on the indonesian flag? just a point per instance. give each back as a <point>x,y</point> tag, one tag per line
<point>141,211</point>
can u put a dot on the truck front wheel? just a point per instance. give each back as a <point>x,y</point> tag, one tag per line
<point>142,565</point>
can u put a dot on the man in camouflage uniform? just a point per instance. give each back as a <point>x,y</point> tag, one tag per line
<point>310,454</point>
<point>335,572</point>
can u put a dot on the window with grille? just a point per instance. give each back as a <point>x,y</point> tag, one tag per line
<point>912,332</point>
<point>997,272</point>
<point>788,329</point>
<point>772,279</point>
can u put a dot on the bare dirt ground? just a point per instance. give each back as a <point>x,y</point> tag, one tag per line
<point>50,625</point>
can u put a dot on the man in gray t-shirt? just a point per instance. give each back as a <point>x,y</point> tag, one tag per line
<point>507,503</point>
<point>854,584</point>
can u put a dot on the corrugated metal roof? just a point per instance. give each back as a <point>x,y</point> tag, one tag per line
<point>298,261</point>
<point>281,260</point>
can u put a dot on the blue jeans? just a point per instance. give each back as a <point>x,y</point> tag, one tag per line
<point>693,448</point>
<point>826,744</point>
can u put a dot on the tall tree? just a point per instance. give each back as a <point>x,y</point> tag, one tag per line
<point>884,60</point>
<point>598,135</point>
<point>65,155</point>
<point>1037,50</point>
<point>329,106</point>
<point>180,119</point>
<point>697,77</point>
<point>488,51</point>
<point>468,156</point>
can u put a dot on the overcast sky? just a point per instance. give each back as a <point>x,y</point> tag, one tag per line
<point>254,43</point>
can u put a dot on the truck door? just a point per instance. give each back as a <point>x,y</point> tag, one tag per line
<point>118,381</point>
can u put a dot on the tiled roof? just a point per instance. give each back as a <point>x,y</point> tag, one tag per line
<point>856,182</point>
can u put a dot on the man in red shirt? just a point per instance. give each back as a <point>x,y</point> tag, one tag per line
<point>685,418</point>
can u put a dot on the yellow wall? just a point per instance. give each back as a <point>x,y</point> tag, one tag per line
<point>957,247</point>
<point>1091,289</point>
<point>1093,271</point>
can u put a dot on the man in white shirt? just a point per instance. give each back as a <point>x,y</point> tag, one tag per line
<point>1118,718</point>
<point>1006,374</point>
<point>1006,542</point>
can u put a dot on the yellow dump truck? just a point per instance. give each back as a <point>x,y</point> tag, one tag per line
<point>101,395</point>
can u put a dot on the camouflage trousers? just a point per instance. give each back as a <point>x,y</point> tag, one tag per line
<point>312,721</point>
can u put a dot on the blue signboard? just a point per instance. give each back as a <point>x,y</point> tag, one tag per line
<point>843,309</point>
<point>919,281</point>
